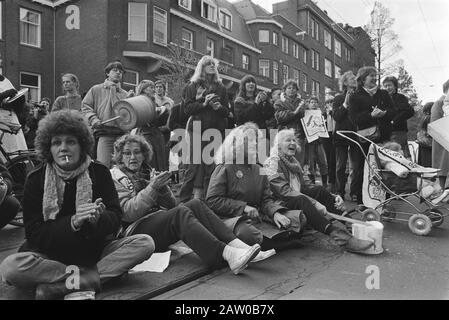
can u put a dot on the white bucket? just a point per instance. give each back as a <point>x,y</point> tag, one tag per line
<point>373,231</point>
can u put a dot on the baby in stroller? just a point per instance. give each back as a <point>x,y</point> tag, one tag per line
<point>392,158</point>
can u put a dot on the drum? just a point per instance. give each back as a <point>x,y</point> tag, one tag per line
<point>135,112</point>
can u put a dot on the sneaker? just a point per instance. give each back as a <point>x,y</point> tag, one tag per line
<point>238,262</point>
<point>262,255</point>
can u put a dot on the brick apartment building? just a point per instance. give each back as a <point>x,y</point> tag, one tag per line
<point>42,39</point>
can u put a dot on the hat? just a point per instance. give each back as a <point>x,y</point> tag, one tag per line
<point>112,65</point>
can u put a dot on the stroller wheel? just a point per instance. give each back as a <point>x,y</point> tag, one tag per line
<point>420,224</point>
<point>436,216</point>
<point>370,215</point>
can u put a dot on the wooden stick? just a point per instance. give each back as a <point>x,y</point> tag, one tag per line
<point>110,120</point>
<point>336,216</point>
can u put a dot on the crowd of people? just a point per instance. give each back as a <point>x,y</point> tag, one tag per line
<point>102,200</point>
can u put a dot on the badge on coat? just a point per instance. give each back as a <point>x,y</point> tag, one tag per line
<point>239,174</point>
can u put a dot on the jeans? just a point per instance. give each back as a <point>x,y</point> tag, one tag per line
<point>323,196</point>
<point>357,163</point>
<point>329,148</point>
<point>105,149</point>
<point>29,269</point>
<point>316,154</point>
<point>195,224</point>
<point>8,210</point>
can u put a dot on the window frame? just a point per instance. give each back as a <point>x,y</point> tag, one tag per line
<point>189,7</point>
<point>247,63</point>
<point>39,87</point>
<point>285,73</point>
<point>191,38</point>
<point>284,44</point>
<point>155,9</point>
<point>304,82</point>
<point>267,68</point>
<point>1,20</point>
<point>315,85</point>
<point>339,47</point>
<point>304,57</point>
<point>39,26</point>
<point>268,35</point>
<point>275,38</point>
<point>145,23</point>
<point>213,55</point>
<point>315,60</point>
<point>275,72</point>
<point>296,52</point>
<point>232,52</point>
<point>329,43</point>
<point>128,71</point>
<point>210,4</point>
<point>337,75</point>
<point>297,73</point>
<point>325,67</point>
<point>225,12</point>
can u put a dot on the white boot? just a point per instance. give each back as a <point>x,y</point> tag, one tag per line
<point>262,255</point>
<point>238,258</point>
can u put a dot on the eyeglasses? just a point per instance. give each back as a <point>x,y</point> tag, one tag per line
<point>129,153</point>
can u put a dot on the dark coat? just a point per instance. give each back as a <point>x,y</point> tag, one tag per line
<point>56,238</point>
<point>195,110</point>
<point>403,112</point>
<point>361,104</point>
<point>286,118</point>
<point>342,119</point>
<point>247,110</point>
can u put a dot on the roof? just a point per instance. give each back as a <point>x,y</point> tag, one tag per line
<point>250,10</point>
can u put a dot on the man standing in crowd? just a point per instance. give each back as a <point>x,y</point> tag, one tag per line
<point>404,112</point>
<point>97,107</point>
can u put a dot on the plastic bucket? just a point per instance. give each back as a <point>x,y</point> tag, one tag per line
<point>135,112</point>
<point>372,230</point>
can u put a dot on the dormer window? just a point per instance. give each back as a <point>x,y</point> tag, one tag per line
<point>225,19</point>
<point>186,4</point>
<point>209,10</point>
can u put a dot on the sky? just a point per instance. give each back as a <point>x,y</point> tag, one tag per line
<point>423,30</point>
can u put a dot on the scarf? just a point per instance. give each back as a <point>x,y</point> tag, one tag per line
<point>140,179</point>
<point>371,91</point>
<point>54,186</point>
<point>109,85</point>
<point>295,170</point>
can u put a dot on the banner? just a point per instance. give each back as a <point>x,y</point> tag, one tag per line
<point>314,125</point>
<point>438,130</point>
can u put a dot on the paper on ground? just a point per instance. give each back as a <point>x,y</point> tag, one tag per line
<point>158,262</point>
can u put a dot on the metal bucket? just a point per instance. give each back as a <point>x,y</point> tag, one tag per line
<point>135,112</point>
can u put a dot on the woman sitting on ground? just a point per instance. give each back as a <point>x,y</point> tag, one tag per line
<point>71,215</point>
<point>287,183</point>
<point>149,207</point>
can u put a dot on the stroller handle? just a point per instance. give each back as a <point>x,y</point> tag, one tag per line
<point>344,134</point>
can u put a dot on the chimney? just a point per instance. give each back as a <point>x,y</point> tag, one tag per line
<point>325,12</point>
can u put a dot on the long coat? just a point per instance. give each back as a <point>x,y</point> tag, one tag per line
<point>440,156</point>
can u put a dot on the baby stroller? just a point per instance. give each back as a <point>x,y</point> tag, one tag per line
<point>381,187</point>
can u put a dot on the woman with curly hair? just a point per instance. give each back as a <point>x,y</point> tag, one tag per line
<point>71,214</point>
<point>251,105</point>
<point>149,207</point>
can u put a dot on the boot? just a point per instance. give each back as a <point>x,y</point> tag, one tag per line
<point>238,259</point>
<point>89,281</point>
<point>345,240</point>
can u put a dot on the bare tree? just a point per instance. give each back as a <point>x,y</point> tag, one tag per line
<point>385,40</point>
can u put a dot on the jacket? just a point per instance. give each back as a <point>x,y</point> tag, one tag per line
<point>56,238</point>
<point>246,110</point>
<point>7,178</point>
<point>361,105</point>
<point>403,112</point>
<point>285,116</point>
<point>195,111</point>
<point>342,120</point>
<point>234,186</point>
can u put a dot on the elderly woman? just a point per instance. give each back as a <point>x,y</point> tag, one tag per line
<point>205,102</point>
<point>151,131</point>
<point>71,214</point>
<point>71,99</point>
<point>149,207</point>
<point>287,183</point>
<point>251,105</point>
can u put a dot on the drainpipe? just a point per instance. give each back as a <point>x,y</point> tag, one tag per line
<point>54,53</point>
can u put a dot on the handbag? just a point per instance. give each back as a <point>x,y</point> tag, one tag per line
<point>371,133</point>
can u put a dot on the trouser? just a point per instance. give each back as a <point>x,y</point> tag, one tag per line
<point>105,149</point>
<point>316,154</point>
<point>314,217</point>
<point>401,138</point>
<point>8,210</point>
<point>195,224</point>
<point>247,232</point>
<point>357,162</point>
<point>28,269</point>
<point>300,154</point>
<point>323,196</point>
<point>329,148</point>
<point>156,139</point>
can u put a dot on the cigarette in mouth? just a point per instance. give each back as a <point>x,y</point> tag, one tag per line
<point>66,159</point>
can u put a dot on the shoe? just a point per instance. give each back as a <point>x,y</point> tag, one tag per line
<point>262,255</point>
<point>238,262</point>
<point>345,240</point>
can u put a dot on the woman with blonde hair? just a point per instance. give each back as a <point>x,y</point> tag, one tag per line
<point>71,99</point>
<point>205,102</point>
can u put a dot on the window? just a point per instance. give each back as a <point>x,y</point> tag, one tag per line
<point>228,54</point>
<point>327,39</point>
<point>264,68</point>
<point>328,68</point>
<point>226,19</point>
<point>30,28</point>
<point>31,81</point>
<point>296,51</point>
<point>275,72</point>
<point>315,60</point>
<point>285,73</point>
<point>131,78</point>
<point>285,44</point>
<point>337,47</point>
<point>314,29</point>
<point>304,82</point>
<point>137,21</point>
<point>264,36</point>
<point>160,26</point>
<point>209,10</point>
<point>348,54</point>
<point>315,88</point>
<point>186,4</point>
<point>296,76</point>
<point>1,20</point>
<point>187,39</point>
<point>275,38</point>
<point>304,56</point>
<point>245,61</point>
<point>210,47</point>
<point>327,93</point>
<point>337,72</point>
